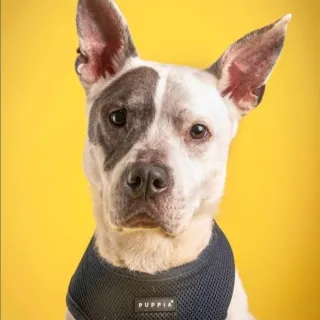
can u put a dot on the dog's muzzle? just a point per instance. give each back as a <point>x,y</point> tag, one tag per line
<point>144,189</point>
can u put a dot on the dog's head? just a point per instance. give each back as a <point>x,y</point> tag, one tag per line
<point>159,135</point>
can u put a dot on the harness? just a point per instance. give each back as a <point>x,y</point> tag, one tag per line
<point>199,290</point>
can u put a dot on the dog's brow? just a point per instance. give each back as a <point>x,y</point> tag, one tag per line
<point>182,112</point>
<point>179,118</point>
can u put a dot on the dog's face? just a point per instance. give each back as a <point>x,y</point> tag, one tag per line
<point>159,145</point>
<point>159,135</point>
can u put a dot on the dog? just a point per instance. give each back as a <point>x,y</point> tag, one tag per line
<point>156,154</point>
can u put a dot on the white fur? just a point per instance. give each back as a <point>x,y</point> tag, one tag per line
<point>238,309</point>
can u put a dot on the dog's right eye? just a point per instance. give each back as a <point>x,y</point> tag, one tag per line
<point>118,117</point>
<point>198,131</point>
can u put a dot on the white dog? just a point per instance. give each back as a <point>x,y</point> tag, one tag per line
<point>155,157</point>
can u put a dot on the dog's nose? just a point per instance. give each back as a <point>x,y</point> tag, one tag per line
<point>145,181</point>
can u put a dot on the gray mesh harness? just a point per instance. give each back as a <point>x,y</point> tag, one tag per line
<point>199,290</point>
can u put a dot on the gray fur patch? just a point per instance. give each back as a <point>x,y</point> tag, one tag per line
<point>133,91</point>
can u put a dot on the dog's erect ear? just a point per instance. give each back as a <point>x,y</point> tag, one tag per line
<point>104,40</point>
<point>244,68</point>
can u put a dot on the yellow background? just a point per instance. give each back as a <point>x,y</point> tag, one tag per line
<point>271,208</point>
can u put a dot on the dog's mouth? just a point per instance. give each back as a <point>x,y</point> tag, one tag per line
<point>141,220</point>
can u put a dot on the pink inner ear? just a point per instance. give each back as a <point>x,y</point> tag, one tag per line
<point>242,84</point>
<point>105,40</point>
<point>102,60</point>
<point>246,65</point>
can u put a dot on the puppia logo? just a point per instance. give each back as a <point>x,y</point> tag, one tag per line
<point>155,304</point>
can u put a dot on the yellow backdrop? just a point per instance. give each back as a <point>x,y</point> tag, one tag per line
<point>271,208</point>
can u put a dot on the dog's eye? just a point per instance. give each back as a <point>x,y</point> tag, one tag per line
<point>198,131</point>
<point>119,117</point>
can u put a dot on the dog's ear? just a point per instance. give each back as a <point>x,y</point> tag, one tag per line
<point>242,71</point>
<point>104,40</point>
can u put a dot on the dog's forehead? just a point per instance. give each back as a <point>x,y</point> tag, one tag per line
<point>191,92</point>
<point>172,88</point>
<point>162,103</point>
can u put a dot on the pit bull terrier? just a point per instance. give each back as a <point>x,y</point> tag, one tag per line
<point>156,152</point>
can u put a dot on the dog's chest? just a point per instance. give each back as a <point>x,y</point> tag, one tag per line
<point>198,290</point>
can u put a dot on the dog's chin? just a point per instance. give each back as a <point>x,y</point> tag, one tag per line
<point>146,222</point>
<point>141,221</point>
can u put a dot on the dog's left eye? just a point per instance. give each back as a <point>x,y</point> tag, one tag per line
<point>118,117</point>
<point>198,131</point>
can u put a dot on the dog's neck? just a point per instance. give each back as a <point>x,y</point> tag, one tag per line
<point>151,251</point>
